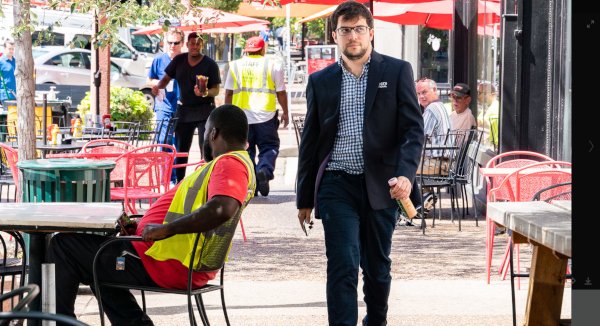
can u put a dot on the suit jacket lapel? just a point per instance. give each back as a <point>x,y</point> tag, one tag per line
<point>376,69</point>
<point>333,82</point>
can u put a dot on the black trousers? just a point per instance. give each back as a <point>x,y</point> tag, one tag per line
<point>73,256</point>
<point>184,134</point>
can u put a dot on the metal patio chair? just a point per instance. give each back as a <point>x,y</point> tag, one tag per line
<point>559,191</point>
<point>26,295</point>
<point>511,159</point>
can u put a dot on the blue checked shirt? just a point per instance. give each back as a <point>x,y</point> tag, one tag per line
<point>347,154</point>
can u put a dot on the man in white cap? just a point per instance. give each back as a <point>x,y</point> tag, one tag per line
<point>255,84</point>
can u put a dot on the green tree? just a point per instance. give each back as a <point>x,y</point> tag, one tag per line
<point>118,13</point>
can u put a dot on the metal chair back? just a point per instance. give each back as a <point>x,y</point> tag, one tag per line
<point>9,159</point>
<point>147,174</point>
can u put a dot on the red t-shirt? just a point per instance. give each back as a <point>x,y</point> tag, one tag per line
<point>229,178</point>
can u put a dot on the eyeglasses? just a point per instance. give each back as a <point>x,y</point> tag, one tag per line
<point>174,43</point>
<point>359,30</point>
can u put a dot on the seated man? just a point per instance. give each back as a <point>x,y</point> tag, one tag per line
<point>231,184</point>
<point>436,124</point>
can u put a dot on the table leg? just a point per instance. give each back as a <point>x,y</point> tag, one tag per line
<point>547,284</point>
<point>37,254</point>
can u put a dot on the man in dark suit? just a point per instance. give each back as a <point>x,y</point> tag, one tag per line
<point>363,126</point>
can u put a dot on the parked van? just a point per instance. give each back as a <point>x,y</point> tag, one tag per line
<point>144,44</point>
<point>74,30</point>
<point>121,52</point>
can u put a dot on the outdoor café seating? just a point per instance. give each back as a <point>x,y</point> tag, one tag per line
<point>511,159</point>
<point>25,295</point>
<point>147,174</point>
<point>522,185</point>
<point>463,175</point>
<point>558,191</point>
<point>445,163</point>
<point>9,174</point>
<point>13,265</point>
<point>201,260</point>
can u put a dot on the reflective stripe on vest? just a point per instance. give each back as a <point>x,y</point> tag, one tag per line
<point>214,244</point>
<point>253,85</point>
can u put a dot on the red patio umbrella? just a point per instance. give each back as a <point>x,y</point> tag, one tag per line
<point>337,2</point>
<point>439,14</point>
<point>206,18</point>
<point>236,29</point>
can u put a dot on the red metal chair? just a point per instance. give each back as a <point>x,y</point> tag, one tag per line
<point>10,158</point>
<point>102,149</point>
<point>147,174</point>
<point>106,146</point>
<point>522,185</point>
<point>512,159</point>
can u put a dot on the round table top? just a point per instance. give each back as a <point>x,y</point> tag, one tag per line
<point>66,164</point>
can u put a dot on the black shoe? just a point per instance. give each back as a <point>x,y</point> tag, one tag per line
<point>425,212</point>
<point>403,220</point>
<point>262,184</point>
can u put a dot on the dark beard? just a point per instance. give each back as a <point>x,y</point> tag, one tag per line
<point>207,150</point>
<point>355,56</point>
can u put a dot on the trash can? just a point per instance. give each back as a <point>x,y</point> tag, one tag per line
<point>65,180</point>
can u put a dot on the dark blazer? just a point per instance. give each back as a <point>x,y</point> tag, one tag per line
<point>392,131</point>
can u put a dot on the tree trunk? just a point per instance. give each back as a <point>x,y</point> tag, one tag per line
<point>25,83</point>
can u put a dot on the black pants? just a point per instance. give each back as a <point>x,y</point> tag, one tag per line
<point>73,256</point>
<point>184,134</point>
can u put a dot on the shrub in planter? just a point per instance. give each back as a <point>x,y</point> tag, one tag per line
<point>125,105</point>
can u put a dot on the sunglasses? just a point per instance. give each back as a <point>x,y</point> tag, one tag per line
<point>174,43</point>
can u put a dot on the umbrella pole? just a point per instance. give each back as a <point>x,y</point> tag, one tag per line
<point>289,61</point>
<point>231,46</point>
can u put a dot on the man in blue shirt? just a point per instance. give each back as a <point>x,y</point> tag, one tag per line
<point>8,83</point>
<point>165,102</point>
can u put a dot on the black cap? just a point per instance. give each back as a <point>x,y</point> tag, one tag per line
<point>461,89</point>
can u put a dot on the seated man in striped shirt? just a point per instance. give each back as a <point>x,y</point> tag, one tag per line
<point>436,125</point>
<point>436,122</point>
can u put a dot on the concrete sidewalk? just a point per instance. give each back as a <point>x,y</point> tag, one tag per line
<point>277,277</point>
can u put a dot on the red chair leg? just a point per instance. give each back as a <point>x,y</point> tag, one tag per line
<point>242,226</point>
<point>491,228</point>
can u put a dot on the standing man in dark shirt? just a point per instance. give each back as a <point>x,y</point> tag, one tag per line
<point>195,106</point>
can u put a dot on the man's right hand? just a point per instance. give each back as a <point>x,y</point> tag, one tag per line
<point>155,90</point>
<point>153,232</point>
<point>304,216</point>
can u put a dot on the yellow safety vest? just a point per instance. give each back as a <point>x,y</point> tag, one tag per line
<point>191,195</point>
<point>253,87</point>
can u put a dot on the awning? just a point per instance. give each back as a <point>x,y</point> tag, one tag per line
<point>255,9</point>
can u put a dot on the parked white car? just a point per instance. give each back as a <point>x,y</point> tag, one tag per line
<point>64,66</point>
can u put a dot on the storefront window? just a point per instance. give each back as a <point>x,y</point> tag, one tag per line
<point>488,78</point>
<point>434,54</point>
